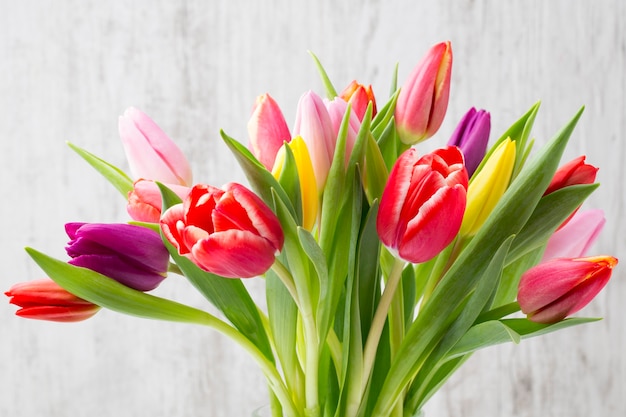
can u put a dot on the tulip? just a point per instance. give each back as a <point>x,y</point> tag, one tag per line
<point>575,238</point>
<point>359,96</point>
<point>314,125</point>
<point>487,187</point>
<point>336,110</point>
<point>150,152</point>
<point>422,206</point>
<point>44,299</point>
<point>228,232</point>
<point>574,172</point>
<point>472,136</point>
<point>132,255</point>
<point>145,203</point>
<point>423,98</point>
<point>558,288</point>
<point>267,130</point>
<point>306,178</point>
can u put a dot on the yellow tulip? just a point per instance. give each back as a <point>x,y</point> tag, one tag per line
<point>487,187</point>
<point>306,177</point>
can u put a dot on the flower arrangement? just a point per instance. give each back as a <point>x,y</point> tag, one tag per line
<point>384,268</point>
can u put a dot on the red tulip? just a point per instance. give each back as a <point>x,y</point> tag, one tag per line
<point>359,96</point>
<point>422,206</point>
<point>228,232</point>
<point>423,98</point>
<point>144,202</point>
<point>574,172</point>
<point>267,130</point>
<point>44,299</point>
<point>558,288</point>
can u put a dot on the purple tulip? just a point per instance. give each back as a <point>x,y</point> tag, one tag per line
<point>132,255</point>
<point>472,135</point>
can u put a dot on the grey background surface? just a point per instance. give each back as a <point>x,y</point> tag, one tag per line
<point>69,68</point>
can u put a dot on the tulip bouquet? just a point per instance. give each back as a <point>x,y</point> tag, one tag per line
<point>384,268</point>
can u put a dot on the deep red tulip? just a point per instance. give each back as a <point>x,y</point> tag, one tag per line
<point>422,206</point>
<point>423,98</point>
<point>44,299</point>
<point>229,232</point>
<point>267,130</point>
<point>558,288</point>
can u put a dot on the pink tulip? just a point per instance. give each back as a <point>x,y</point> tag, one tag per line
<point>423,99</point>
<point>336,110</point>
<point>359,96</point>
<point>422,206</point>
<point>44,299</point>
<point>575,238</point>
<point>267,130</point>
<point>228,232</point>
<point>313,124</point>
<point>151,154</point>
<point>144,201</point>
<point>558,288</point>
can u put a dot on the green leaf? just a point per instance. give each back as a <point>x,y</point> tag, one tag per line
<point>482,335</point>
<point>106,292</point>
<point>114,175</point>
<point>376,172</point>
<point>290,182</point>
<point>331,93</point>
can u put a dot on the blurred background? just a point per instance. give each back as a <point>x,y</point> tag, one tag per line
<point>68,69</point>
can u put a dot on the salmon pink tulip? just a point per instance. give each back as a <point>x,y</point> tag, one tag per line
<point>359,97</point>
<point>472,136</point>
<point>132,255</point>
<point>313,124</point>
<point>267,130</point>
<point>44,299</point>
<point>150,152</point>
<point>558,288</point>
<point>145,202</point>
<point>423,98</point>
<point>229,232</point>
<point>422,206</point>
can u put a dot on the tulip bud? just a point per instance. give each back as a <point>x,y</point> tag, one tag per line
<point>359,97</point>
<point>558,288</point>
<point>575,238</point>
<point>472,136</point>
<point>306,178</point>
<point>267,130</point>
<point>422,206</point>
<point>229,232</point>
<point>145,202</point>
<point>487,187</point>
<point>423,98</point>
<point>132,255</point>
<point>336,110</point>
<point>574,172</point>
<point>150,152</point>
<point>314,125</point>
<point>44,299</point>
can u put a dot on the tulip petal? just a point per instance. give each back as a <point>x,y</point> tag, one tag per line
<point>60,314</point>
<point>133,276</point>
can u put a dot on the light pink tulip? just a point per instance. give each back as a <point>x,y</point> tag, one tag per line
<point>336,110</point>
<point>150,152</point>
<point>145,202</point>
<point>313,124</point>
<point>267,130</point>
<point>575,238</point>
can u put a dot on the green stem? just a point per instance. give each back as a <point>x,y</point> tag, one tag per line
<point>378,322</point>
<point>285,277</point>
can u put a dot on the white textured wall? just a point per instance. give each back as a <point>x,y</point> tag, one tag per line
<point>69,68</point>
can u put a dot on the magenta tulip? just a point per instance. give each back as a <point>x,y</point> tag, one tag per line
<point>558,288</point>
<point>575,238</point>
<point>472,136</point>
<point>145,202</point>
<point>267,130</point>
<point>44,299</point>
<point>423,98</point>
<point>151,154</point>
<point>313,124</point>
<point>422,206</point>
<point>229,232</point>
<point>132,255</point>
